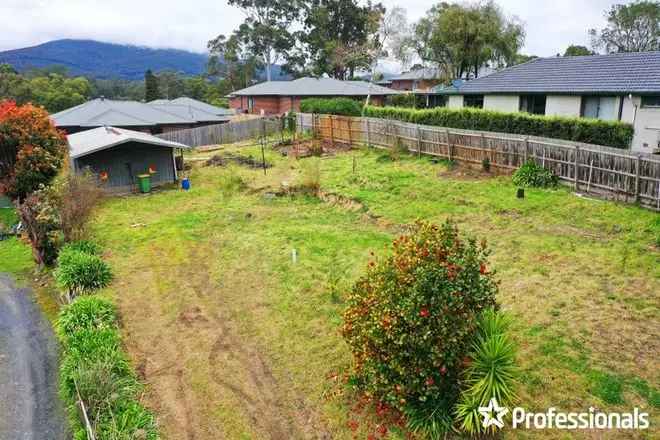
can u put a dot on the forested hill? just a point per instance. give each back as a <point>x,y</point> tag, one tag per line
<point>104,60</point>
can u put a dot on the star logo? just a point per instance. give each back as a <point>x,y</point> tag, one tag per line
<point>487,413</point>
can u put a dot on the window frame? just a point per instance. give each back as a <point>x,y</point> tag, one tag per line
<point>656,97</point>
<point>534,98</point>
<point>477,98</point>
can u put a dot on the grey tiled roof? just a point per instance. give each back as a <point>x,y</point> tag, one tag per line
<point>314,87</point>
<point>208,108</point>
<point>99,112</point>
<point>614,73</point>
<point>102,138</point>
<point>417,74</point>
<point>190,112</point>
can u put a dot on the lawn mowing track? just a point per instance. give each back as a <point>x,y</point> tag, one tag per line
<point>29,407</point>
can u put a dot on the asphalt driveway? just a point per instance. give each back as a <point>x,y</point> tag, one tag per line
<point>29,405</point>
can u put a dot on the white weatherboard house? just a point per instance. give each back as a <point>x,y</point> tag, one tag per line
<point>618,87</point>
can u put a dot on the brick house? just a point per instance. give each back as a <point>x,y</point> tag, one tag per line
<point>278,97</point>
<point>418,80</point>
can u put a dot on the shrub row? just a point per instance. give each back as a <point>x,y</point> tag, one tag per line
<point>593,131</point>
<point>94,367</point>
<point>331,106</point>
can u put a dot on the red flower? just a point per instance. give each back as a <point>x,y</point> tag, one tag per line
<point>429,381</point>
<point>483,269</point>
<point>443,370</point>
<point>382,430</point>
<point>424,312</point>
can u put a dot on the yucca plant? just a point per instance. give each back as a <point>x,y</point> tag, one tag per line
<point>492,372</point>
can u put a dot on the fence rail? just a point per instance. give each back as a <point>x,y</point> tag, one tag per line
<point>603,171</point>
<point>224,133</point>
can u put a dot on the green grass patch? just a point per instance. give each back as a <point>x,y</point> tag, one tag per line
<point>579,277</point>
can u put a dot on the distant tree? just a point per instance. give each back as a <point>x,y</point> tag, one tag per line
<point>170,84</point>
<point>463,38</point>
<point>576,51</point>
<point>266,30</point>
<point>14,86</point>
<point>56,92</point>
<point>630,28</point>
<point>521,58</point>
<point>151,89</point>
<point>7,68</point>
<point>232,60</point>
<point>337,38</point>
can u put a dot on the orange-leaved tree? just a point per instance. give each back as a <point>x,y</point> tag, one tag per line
<point>32,149</point>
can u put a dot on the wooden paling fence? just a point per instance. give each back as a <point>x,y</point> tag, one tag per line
<point>224,133</point>
<point>604,171</point>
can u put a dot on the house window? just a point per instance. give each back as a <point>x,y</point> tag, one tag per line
<point>250,103</point>
<point>534,104</point>
<point>651,101</point>
<point>600,107</point>
<point>475,101</point>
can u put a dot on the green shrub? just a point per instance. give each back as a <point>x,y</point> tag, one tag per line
<point>533,175</point>
<point>492,372</point>
<point>610,133</point>
<point>331,106</point>
<point>85,246</point>
<point>408,100</point>
<point>87,313</point>
<point>78,272</point>
<point>411,320</point>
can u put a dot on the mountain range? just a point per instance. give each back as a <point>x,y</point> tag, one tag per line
<point>102,60</point>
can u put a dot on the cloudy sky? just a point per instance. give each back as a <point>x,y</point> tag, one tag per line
<point>551,24</point>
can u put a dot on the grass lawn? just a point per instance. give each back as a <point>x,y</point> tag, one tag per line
<point>236,340</point>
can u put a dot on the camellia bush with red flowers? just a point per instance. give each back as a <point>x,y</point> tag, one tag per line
<point>412,319</point>
<point>32,150</point>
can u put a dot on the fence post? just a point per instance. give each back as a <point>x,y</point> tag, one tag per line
<point>637,166</point>
<point>448,145</point>
<point>350,131</point>
<point>526,149</point>
<point>577,167</point>
<point>332,132</point>
<point>419,142</point>
<point>368,134</point>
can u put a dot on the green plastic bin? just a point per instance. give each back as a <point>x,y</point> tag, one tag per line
<point>144,183</point>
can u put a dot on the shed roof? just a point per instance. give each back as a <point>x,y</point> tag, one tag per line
<point>315,87</point>
<point>90,141</point>
<point>615,73</point>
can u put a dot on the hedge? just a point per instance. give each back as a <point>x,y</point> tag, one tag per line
<point>331,106</point>
<point>592,131</point>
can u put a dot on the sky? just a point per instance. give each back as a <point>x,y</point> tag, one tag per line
<point>551,26</point>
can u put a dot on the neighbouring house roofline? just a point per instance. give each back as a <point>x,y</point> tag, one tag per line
<point>314,87</point>
<point>107,112</point>
<point>613,74</point>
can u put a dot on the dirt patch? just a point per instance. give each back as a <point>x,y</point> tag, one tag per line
<point>311,147</point>
<point>225,159</point>
<point>196,361</point>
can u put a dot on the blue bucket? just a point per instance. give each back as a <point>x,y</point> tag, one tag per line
<point>185,183</point>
